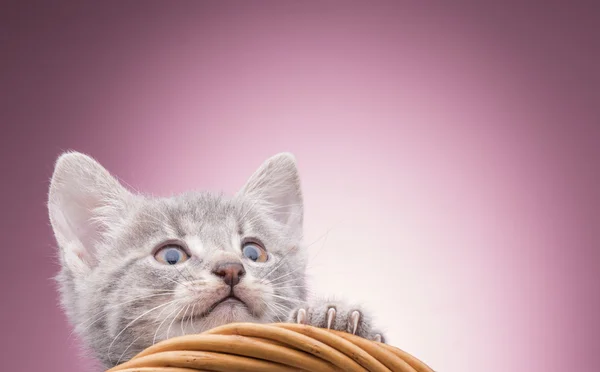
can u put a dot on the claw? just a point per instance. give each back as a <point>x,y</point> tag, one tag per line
<point>355,317</point>
<point>330,317</point>
<point>377,338</point>
<point>301,317</point>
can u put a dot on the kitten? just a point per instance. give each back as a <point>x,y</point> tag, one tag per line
<point>136,269</point>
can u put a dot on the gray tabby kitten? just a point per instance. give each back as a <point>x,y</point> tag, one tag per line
<point>137,269</point>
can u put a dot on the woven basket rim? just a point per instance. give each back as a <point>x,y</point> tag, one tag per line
<point>271,347</point>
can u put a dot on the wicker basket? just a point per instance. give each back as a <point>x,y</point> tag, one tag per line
<point>280,347</point>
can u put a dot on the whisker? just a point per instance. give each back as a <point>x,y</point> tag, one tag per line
<point>280,307</point>
<point>180,273</point>
<point>281,262</point>
<point>277,310</point>
<point>275,284</point>
<point>293,300</point>
<point>124,351</point>
<point>183,319</point>
<point>160,325</point>
<point>191,317</point>
<point>175,281</point>
<point>291,249</point>
<point>129,324</point>
<point>96,317</point>
<point>284,275</point>
<point>173,321</point>
<point>187,269</point>
<point>292,286</point>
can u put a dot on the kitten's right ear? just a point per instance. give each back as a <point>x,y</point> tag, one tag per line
<point>84,199</point>
<point>276,185</point>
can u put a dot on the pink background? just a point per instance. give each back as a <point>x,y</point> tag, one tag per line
<point>451,151</point>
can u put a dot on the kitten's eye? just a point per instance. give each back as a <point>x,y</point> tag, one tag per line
<point>171,255</point>
<point>254,252</point>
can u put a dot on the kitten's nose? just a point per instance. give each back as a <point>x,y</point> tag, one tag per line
<point>230,272</point>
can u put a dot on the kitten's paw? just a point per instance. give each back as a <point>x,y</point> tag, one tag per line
<point>339,316</point>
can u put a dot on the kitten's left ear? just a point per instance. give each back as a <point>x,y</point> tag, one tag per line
<point>276,187</point>
<point>83,201</point>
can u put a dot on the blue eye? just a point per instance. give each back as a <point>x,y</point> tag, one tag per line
<point>254,252</point>
<point>171,255</point>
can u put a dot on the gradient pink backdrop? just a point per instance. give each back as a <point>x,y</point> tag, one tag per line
<point>451,151</point>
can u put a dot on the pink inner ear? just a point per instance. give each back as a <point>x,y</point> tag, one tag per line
<point>73,213</point>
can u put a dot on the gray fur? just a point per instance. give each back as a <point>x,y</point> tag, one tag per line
<point>120,300</point>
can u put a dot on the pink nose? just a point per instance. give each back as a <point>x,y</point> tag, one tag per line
<point>231,272</point>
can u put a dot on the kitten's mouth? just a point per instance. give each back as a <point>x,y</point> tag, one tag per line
<point>231,298</point>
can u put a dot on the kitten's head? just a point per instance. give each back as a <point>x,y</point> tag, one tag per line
<point>136,269</point>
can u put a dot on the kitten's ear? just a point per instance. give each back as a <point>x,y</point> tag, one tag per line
<point>276,186</point>
<point>83,200</point>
